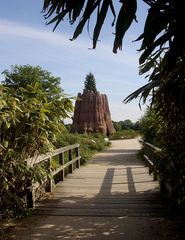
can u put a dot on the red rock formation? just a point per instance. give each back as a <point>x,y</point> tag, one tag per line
<point>92,114</point>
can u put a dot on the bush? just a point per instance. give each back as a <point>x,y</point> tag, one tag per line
<point>124,134</point>
<point>30,118</point>
<point>89,144</point>
<point>152,127</point>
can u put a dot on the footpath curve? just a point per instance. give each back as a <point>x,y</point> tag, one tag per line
<point>112,197</point>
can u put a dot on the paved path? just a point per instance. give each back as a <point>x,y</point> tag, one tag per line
<point>112,197</point>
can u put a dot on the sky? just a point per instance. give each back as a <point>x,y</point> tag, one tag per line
<point>26,39</point>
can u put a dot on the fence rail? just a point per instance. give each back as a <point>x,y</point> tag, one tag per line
<point>151,155</point>
<point>68,159</point>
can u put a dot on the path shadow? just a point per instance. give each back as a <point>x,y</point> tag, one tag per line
<point>136,222</point>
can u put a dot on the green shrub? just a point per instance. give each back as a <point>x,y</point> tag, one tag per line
<point>152,127</point>
<point>124,134</point>
<point>32,109</point>
<point>89,144</point>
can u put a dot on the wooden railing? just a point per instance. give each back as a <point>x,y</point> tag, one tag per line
<point>151,156</point>
<point>68,159</point>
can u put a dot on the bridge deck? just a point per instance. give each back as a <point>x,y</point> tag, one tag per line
<point>113,196</point>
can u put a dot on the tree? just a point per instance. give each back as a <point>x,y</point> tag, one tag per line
<point>127,124</point>
<point>137,126</point>
<point>33,108</point>
<point>21,76</point>
<point>90,83</point>
<point>117,126</point>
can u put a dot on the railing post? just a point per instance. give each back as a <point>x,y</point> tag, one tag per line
<point>61,161</point>
<point>77,151</point>
<point>150,152</point>
<point>155,175</point>
<point>29,194</point>
<point>49,180</point>
<point>72,161</point>
<point>70,158</point>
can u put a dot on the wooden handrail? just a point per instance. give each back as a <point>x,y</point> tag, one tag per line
<point>151,155</point>
<point>73,161</point>
<point>40,158</point>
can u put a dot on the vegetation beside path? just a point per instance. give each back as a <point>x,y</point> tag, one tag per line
<point>33,108</point>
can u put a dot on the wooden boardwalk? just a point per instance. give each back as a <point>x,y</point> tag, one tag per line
<point>112,197</point>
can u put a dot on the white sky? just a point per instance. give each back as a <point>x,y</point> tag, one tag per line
<point>25,39</point>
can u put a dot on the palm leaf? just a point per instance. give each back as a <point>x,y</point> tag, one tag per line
<point>143,92</point>
<point>100,20</point>
<point>90,7</point>
<point>125,18</point>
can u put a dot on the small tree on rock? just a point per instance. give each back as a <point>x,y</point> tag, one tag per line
<point>90,83</point>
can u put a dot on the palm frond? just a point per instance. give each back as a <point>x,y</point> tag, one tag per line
<point>142,92</point>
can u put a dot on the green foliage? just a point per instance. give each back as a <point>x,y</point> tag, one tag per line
<point>31,117</point>
<point>124,134</point>
<point>152,127</point>
<point>89,144</point>
<point>90,83</point>
<point>125,130</point>
<point>117,126</point>
<point>163,49</point>
<point>21,76</point>
<point>172,112</point>
<point>126,125</point>
<point>164,127</point>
